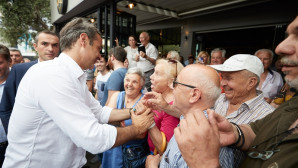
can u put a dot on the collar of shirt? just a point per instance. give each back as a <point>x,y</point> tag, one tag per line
<point>204,111</point>
<point>246,106</point>
<point>73,67</point>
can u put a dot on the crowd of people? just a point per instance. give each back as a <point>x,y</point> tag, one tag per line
<point>131,108</point>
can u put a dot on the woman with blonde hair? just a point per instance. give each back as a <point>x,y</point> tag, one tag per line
<point>160,133</point>
<point>203,58</point>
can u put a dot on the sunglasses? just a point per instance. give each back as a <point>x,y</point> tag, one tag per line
<point>175,83</point>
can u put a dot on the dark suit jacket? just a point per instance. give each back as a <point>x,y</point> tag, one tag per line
<point>10,90</point>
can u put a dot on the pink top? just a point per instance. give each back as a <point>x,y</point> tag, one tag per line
<point>165,123</point>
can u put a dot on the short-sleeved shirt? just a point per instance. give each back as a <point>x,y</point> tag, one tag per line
<point>115,83</point>
<point>143,63</point>
<point>100,84</point>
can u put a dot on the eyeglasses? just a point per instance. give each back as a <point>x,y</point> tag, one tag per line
<point>175,83</point>
<point>174,62</point>
<point>265,155</point>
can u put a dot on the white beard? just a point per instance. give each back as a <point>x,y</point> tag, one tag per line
<point>292,83</point>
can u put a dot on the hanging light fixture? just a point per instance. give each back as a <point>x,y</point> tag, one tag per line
<point>92,20</point>
<point>131,5</point>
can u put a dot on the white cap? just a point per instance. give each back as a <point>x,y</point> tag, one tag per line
<point>241,62</point>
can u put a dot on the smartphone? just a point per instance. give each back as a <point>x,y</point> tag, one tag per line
<point>142,48</point>
<point>201,60</point>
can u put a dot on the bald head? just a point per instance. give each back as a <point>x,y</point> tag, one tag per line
<point>144,38</point>
<point>205,79</point>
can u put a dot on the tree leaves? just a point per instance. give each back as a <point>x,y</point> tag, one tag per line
<point>20,16</point>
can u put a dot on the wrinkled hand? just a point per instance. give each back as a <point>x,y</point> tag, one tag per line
<point>225,128</point>
<point>155,101</point>
<point>198,140</point>
<point>153,161</point>
<point>143,121</point>
<point>140,107</point>
<point>142,54</point>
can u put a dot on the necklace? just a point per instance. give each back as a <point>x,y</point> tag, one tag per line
<point>265,155</point>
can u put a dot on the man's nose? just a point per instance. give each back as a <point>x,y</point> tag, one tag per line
<point>50,48</point>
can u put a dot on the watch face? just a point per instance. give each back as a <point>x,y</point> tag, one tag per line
<point>61,6</point>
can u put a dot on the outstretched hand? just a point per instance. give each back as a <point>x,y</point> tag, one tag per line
<point>155,101</point>
<point>143,121</point>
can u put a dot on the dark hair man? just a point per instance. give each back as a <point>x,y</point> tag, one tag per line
<point>55,119</point>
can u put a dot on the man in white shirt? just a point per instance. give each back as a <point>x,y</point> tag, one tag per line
<point>270,81</point>
<point>55,118</point>
<point>146,61</point>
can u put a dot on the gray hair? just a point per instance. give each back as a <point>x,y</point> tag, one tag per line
<point>71,32</point>
<point>223,51</point>
<point>251,74</point>
<point>137,71</point>
<point>15,49</point>
<point>209,89</point>
<point>265,50</point>
<point>174,55</point>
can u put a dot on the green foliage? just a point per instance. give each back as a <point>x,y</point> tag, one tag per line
<point>21,15</point>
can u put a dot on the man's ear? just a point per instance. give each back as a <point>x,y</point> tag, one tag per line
<point>170,83</point>
<point>195,95</point>
<point>84,39</point>
<point>34,45</point>
<point>252,82</point>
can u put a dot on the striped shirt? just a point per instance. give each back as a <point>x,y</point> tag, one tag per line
<point>249,111</point>
<point>172,157</point>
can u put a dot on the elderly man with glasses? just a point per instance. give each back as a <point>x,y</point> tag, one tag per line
<point>195,89</point>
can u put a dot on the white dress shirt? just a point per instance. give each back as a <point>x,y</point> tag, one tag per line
<point>143,63</point>
<point>272,84</point>
<point>56,119</point>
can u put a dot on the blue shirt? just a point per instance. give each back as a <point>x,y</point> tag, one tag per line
<point>115,82</point>
<point>172,156</point>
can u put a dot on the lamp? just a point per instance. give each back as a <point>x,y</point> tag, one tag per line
<point>92,20</point>
<point>131,5</point>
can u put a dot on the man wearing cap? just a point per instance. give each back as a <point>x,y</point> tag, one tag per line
<point>241,103</point>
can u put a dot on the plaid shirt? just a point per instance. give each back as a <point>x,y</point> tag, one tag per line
<point>248,112</point>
